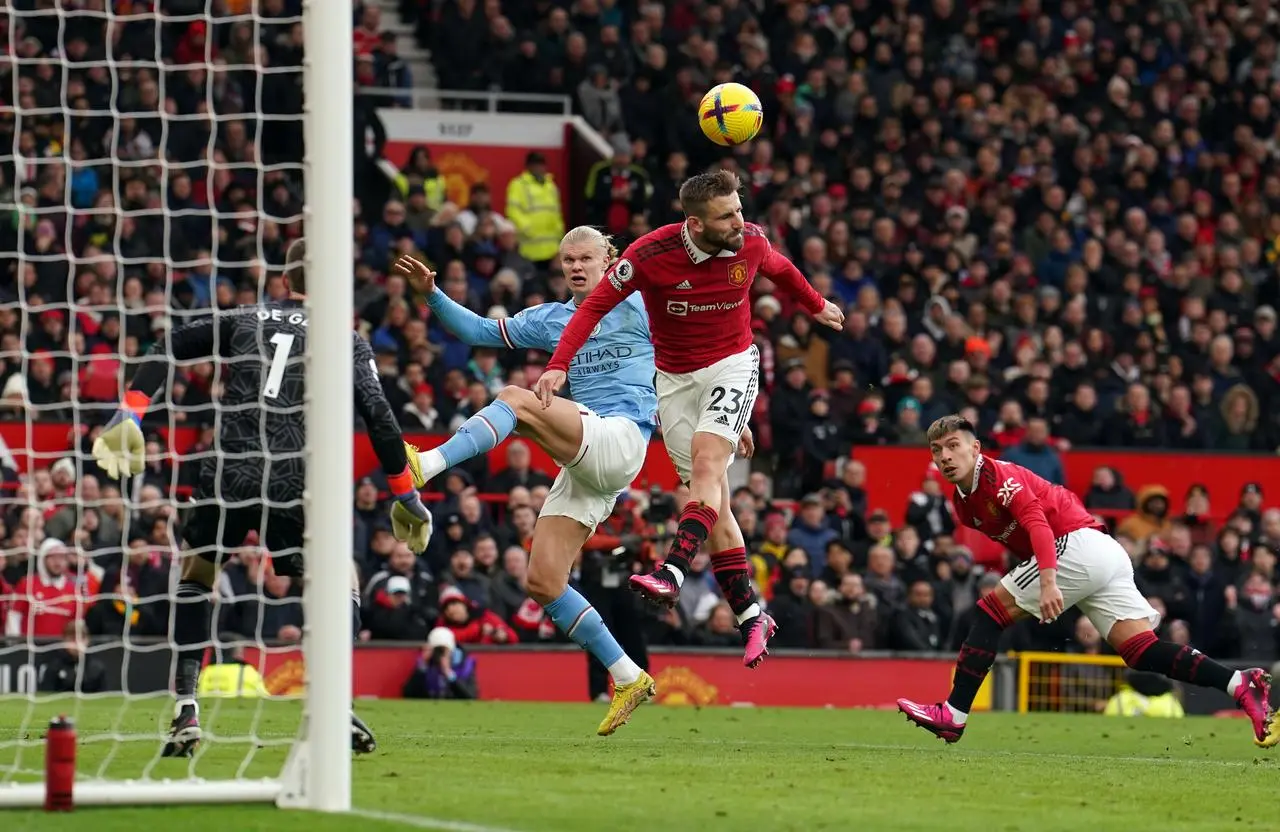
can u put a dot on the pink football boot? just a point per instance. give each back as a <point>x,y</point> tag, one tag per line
<point>756,633</point>
<point>1254,698</point>
<point>658,586</point>
<point>933,718</point>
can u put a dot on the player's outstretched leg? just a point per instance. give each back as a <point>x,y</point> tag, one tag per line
<point>478,435</point>
<point>710,455</point>
<point>729,565</point>
<point>556,543</point>
<point>191,625</point>
<point>1141,649</point>
<point>558,429</point>
<point>996,611</point>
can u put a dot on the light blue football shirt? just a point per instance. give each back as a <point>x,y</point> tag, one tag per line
<point>612,374</point>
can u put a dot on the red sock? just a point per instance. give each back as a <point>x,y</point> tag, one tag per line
<point>696,522</point>
<point>734,578</point>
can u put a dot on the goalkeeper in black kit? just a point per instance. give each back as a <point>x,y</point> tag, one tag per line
<point>255,480</point>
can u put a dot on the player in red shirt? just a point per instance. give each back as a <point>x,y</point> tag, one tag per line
<point>1066,560</point>
<point>695,278</point>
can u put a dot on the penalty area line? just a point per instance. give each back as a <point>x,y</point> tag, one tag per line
<point>420,822</point>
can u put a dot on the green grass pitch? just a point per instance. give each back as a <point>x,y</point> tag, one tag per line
<point>502,767</point>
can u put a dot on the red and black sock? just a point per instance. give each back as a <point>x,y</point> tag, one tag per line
<point>1177,661</point>
<point>696,522</point>
<point>978,653</point>
<point>730,568</point>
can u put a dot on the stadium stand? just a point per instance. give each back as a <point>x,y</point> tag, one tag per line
<point>1063,225</point>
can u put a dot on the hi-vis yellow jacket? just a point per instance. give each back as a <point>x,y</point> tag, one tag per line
<point>534,208</point>
<point>1128,702</point>
<point>231,681</point>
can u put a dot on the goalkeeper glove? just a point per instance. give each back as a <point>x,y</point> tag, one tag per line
<point>121,450</point>
<point>411,523</point>
<point>410,519</point>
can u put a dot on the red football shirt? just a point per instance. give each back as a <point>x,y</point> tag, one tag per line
<point>1027,514</point>
<point>699,304</point>
<point>44,607</point>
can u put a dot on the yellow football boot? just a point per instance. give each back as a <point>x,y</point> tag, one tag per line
<point>415,466</point>
<point>626,698</point>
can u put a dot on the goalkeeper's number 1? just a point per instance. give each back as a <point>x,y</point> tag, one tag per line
<point>284,345</point>
<point>280,359</point>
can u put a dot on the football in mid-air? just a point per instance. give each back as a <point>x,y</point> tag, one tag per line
<point>730,114</point>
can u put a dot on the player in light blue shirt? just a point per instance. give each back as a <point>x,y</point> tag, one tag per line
<point>599,438</point>
<point>612,375</point>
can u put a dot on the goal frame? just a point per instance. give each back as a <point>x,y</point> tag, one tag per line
<point>317,771</point>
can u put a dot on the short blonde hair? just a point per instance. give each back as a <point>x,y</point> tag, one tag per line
<point>590,235</point>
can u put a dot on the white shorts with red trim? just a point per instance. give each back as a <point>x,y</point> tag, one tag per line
<point>610,458</point>
<point>1094,574</point>
<point>716,399</point>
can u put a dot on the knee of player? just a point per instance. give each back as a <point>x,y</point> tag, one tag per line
<point>543,584</point>
<point>711,448</point>
<point>725,534</point>
<point>518,399</point>
<point>708,465</point>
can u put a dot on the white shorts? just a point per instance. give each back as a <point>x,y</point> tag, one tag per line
<point>1094,574</point>
<point>611,456</point>
<point>716,399</point>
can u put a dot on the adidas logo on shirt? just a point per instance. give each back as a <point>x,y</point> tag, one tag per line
<point>722,420</point>
<point>684,284</point>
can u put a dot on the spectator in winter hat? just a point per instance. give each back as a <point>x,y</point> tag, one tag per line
<point>14,394</point>
<point>64,476</point>
<point>443,670</point>
<point>471,623</point>
<point>907,425</point>
<point>1251,497</point>
<point>1151,518</point>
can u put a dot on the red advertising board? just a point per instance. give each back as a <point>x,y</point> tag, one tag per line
<point>892,472</point>
<point>684,678</point>
<point>469,148</point>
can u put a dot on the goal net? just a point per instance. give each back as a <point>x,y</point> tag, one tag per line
<point>152,174</point>
<point>1068,682</point>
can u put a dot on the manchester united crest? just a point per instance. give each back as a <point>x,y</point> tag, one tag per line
<point>992,510</point>
<point>681,686</point>
<point>289,679</point>
<point>738,273</point>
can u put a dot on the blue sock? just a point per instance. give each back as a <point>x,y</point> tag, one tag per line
<point>479,434</point>
<point>579,621</point>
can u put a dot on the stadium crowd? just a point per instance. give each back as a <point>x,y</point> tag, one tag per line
<point>1061,224</point>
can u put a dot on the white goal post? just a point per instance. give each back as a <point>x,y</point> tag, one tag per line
<point>314,747</point>
<point>320,766</point>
